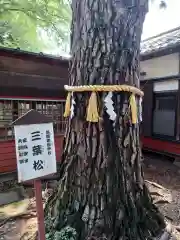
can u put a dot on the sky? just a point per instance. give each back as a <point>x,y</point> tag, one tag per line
<point>161,20</point>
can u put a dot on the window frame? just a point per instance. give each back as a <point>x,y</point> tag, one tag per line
<point>164,94</point>
<point>4,113</point>
<point>59,122</point>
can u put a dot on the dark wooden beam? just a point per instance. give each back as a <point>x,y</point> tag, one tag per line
<point>147,88</point>
<point>178,108</point>
<point>37,57</point>
<point>9,79</point>
<point>24,92</point>
<point>160,78</point>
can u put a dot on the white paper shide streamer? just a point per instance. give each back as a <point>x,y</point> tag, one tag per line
<point>73,103</point>
<point>109,106</point>
<point>140,109</point>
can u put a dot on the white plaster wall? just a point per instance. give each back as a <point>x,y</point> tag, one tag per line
<point>168,85</point>
<point>160,67</point>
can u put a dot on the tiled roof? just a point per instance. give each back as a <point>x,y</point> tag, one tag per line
<point>161,41</point>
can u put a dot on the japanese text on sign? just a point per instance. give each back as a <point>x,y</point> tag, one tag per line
<point>35,151</point>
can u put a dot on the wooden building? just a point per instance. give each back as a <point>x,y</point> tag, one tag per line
<point>160,78</point>
<point>29,81</point>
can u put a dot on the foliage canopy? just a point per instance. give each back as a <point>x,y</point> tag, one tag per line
<point>34,24</point>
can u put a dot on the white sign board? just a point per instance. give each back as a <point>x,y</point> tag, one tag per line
<point>35,151</point>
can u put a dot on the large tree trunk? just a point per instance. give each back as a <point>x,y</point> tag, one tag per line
<point>102,193</point>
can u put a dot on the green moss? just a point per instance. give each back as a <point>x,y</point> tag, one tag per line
<point>66,233</point>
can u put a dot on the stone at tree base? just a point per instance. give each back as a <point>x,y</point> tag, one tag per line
<point>177,162</point>
<point>12,195</point>
<point>9,197</point>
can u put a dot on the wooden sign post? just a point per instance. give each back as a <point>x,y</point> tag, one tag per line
<point>35,154</point>
<point>40,210</point>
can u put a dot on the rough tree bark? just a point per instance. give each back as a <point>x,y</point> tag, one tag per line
<point>101,192</point>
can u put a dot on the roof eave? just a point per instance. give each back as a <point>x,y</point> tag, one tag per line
<point>41,56</point>
<point>161,52</point>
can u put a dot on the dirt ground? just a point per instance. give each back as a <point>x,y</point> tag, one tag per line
<point>161,171</point>
<point>18,221</point>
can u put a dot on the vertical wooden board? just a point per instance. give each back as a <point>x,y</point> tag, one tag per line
<point>147,108</point>
<point>7,157</point>
<point>178,115</point>
<point>59,147</point>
